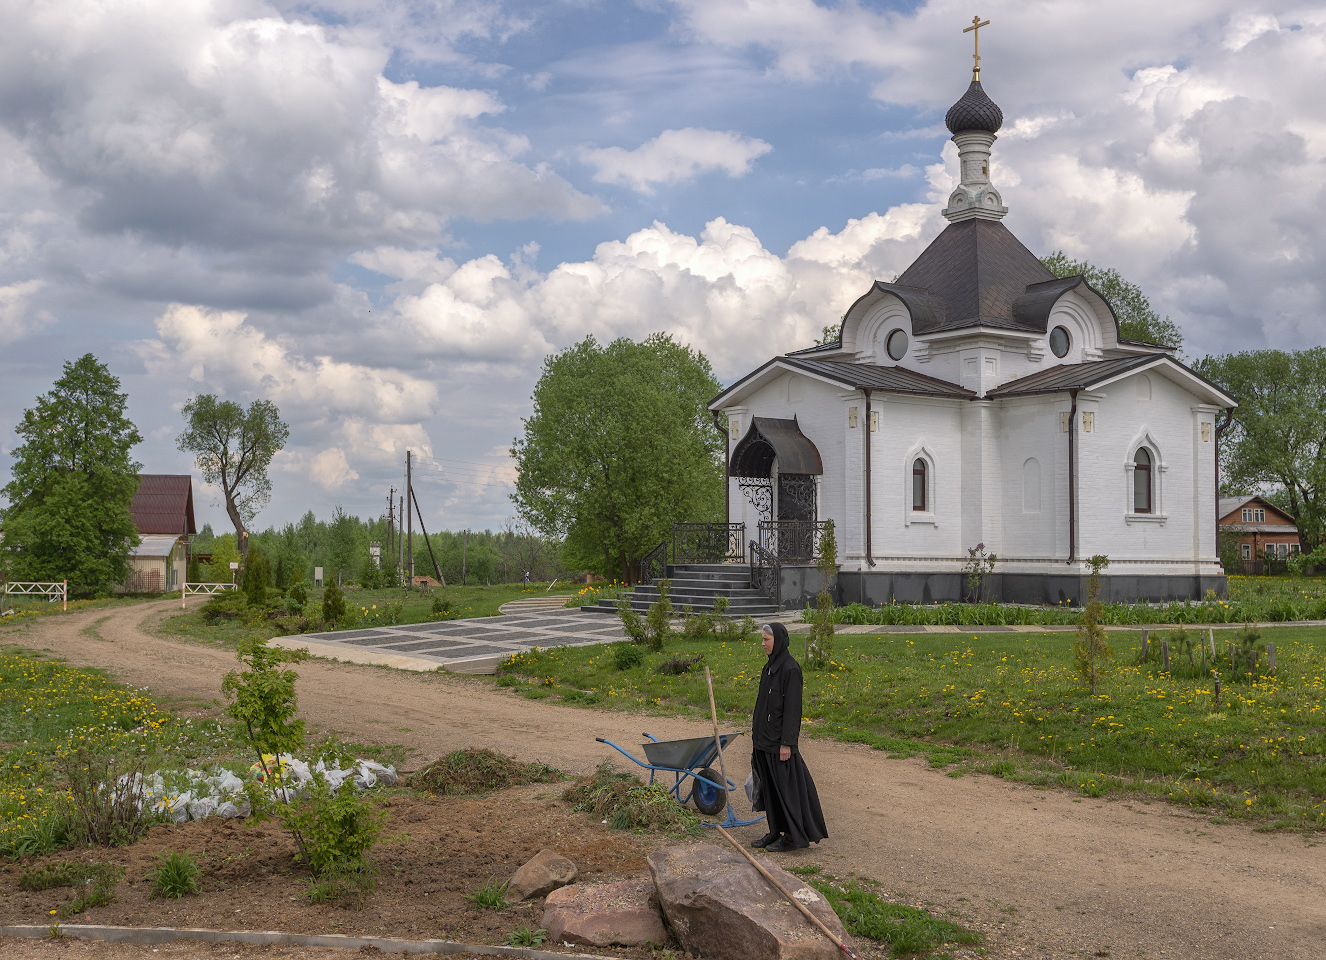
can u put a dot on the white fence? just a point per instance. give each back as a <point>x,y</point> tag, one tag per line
<point>209,589</point>
<point>58,590</point>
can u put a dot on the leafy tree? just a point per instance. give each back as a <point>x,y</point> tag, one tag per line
<point>233,448</point>
<point>819,642</point>
<point>1276,438</point>
<point>1137,321</point>
<point>1092,644</point>
<point>831,333</point>
<point>619,446</point>
<point>257,576</point>
<point>73,482</point>
<point>333,603</point>
<point>224,553</point>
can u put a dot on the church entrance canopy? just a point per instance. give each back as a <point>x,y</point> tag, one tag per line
<point>778,447</point>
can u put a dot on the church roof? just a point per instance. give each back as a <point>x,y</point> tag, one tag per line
<point>1097,373</point>
<point>974,111</point>
<point>885,379</point>
<point>973,274</point>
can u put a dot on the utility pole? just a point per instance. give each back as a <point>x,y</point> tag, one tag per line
<point>400,538</point>
<point>409,517</point>
<point>464,542</point>
<point>391,509</point>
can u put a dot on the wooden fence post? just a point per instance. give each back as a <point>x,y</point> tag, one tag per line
<point>1145,635</point>
<point>1211,633</point>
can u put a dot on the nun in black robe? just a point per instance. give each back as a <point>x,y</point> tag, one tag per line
<point>789,799</point>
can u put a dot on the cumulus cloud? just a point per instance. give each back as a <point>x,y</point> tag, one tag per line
<point>330,470</point>
<point>226,126</point>
<point>14,319</point>
<point>676,155</point>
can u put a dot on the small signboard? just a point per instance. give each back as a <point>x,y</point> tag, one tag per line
<point>234,564</point>
<point>317,576</point>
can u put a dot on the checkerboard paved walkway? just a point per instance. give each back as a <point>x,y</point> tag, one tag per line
<point>477,642</point>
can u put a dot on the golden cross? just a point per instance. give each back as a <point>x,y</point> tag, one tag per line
<point>976,24</point>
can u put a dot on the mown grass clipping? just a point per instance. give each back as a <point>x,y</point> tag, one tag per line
<point>468,772</point>
<point>628,804</point>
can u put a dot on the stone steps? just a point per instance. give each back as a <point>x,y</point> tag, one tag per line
<point>697,586</point>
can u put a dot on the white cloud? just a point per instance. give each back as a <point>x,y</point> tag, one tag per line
<point>330,470</point>
<point>15,321</point>
<point>676,155</point>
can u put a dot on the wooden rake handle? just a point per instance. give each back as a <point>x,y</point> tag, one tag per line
<point>784,891</point>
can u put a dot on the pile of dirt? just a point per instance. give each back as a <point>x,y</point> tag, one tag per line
<point>467,772</point>
<point>433,854</point>
<point>625,802</point>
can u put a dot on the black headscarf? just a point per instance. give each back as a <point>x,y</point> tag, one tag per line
<point>781,643</point>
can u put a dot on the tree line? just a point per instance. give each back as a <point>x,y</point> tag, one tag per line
<point>340,546</point>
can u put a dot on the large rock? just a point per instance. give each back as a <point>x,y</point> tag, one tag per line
<point>603,914</point>
<point>542,875</point>
<point>720,907</point>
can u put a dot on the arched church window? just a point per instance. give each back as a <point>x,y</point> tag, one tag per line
<point>1142,481</point>
<point>896,344</point>
<point>918,484</point>
<point>1060,341</point>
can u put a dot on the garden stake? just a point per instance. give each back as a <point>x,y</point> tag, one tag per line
<point>1145,634</point>
<point>1217,680</point>
<point>1211,632</point>
<point>1203,658</point>
<point>790,899</point>
<point>1164,652</point>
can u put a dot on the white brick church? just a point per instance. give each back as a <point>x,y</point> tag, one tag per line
<point>980,400</point>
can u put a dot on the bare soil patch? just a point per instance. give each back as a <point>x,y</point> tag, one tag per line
<point>436,851</point>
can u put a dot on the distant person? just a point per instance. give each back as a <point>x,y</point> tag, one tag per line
<point>527,578</point>
<point>790,801</point>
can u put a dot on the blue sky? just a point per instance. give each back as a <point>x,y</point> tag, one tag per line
<point>384,215</point>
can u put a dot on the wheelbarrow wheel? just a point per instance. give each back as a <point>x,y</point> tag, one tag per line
<point>709,799</point>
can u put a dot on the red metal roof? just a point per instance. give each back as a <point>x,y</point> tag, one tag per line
<point>163,504</point>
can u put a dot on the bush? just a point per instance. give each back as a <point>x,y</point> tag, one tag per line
<point>658,620</point>
<point>94,883</point>
<point>819,642</point>
<point>333,603</point>
<point>627,655</point>
<point>632,625</point>
<point>479,771</point>
<point>176,875</point>
<point>257,576</point>
<point>338,828</point>
<point>104,807</point>
<point>679,665</point>
<point>299,593</point>
<point>442,609</point>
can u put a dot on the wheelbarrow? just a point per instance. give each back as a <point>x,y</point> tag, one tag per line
<point>689,759</point>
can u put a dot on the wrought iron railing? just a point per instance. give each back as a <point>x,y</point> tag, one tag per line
<point>708,542</point>
<point>654,564</point>
<point>792,541</point>
<point>766,573</point>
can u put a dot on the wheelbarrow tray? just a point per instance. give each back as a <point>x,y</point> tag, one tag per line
<point>683,754</point>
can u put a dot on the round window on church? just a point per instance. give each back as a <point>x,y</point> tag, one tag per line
<point>897,344</point>
<point>1060,342</point>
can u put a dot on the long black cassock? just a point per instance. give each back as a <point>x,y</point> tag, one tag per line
<point>791,803</point>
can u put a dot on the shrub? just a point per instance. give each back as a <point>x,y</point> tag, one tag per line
<point>337,828</point>
<point>442,608</point>
<point>257,576</point>
<point>819,642</point>
<point>333,603</point>
<point>479,771</point>
<point>1091,644</point>
<point>94,883</point>
<point>627,655</point>
<point>631,622</point>
<point>339,882</point>
<point>299,593</point>
<point>176,874</point>
<point>104,806</point>
<point>226,605</point>
<point>658,620</point>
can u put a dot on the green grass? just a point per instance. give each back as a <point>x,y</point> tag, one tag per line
<point>490,897</point>
<point>908,931</point>
<point>49,710</point>
<point>1251,599</point>
<point>1012,705</point>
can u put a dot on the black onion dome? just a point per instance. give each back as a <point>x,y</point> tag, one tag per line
<point>975,111</point>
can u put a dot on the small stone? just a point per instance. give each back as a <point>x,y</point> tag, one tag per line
<point>542,875</point>
<point>605,914</point>
<point>718,905</point>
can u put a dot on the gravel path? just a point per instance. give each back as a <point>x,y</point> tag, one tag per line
<point>1043,873</point>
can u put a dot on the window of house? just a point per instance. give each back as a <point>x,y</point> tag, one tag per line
<point>1247,515</point>
<point>1060,341</point>
<point>1246,551</point>
<point>918,484</point>
<point>1259,516</point>
<point>1282,549</point>
<point>1142,481</point>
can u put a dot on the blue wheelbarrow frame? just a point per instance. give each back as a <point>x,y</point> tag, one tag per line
<point>682,758</point>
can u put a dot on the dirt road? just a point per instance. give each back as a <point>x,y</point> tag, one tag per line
<point>1042,873</point>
